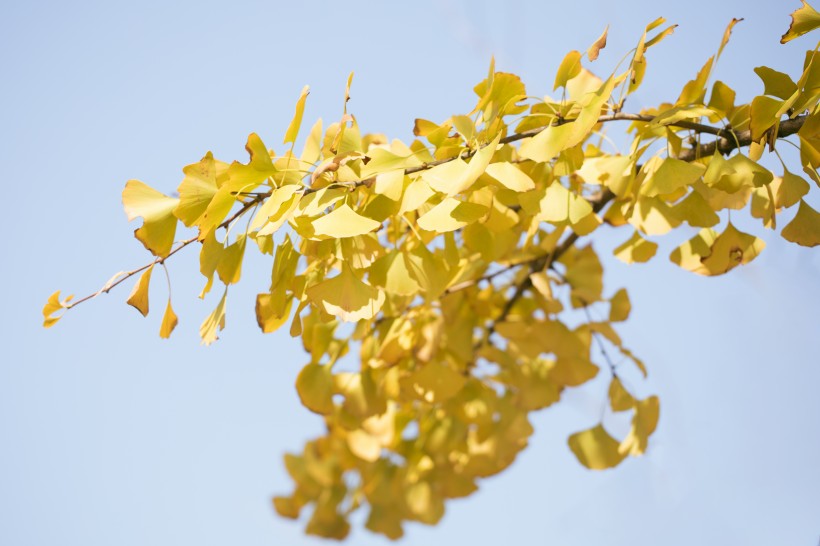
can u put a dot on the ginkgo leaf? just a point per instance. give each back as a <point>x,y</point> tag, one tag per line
<point>696,211</point>
<point>568,69</point>
<point>595,448</point>
<point>456,176</point>
<point>615,172</point>
<point>776,84</point>
<point>364,446</point>
<point>573,371</point>
<point>275,209</point>
<point>764,114</point>
<point>804,229</point>
<point>198,188</point>
<point>296,122</point>
<point>727,34</point>
<point>671,175</point>
<point>644,423</point>
<point>346,297</point>
<point>595,48</point>
<point>52,306</point>
<point>138,298</point>
<point>229,266</point>
<point>343,222</point>
<point>157,211</point>
<point>269,315</point>
<point>214,322</point>
<point>690,253</point>
<point>392,272</point>
<point>450,215</point>
<point>804,19</point>
<point>730,249</point>
<point>547,144</point>
<point>619,306</point>
<point>636,249</point>
<point>510,176</point>
<point>259,168</point>
<point>791,190</point>
<point>169,321</point>
<point>436,382</point>
<point>315,387</point>
<point>619,397</point>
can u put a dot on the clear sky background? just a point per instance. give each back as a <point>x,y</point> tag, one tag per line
<point>112,436</point>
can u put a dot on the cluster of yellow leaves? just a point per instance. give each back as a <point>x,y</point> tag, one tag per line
<point>448,264</point>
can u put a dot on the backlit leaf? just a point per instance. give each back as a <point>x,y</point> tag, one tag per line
<point>346,297</point>
<point>451,214</point>
<point>644,423</point>
<point>157,211</point>
<point>595,448</point>
<point>804,229</point>
<point>595,49</point>
<point>568,69</point>
<point>52,306</point>
<point>214,322</point>
<point>510,176</point>
<point>619,397</point>
<point>636,249</point>
<point>138,298</point>
<point>296,122</point>
<point>343,222</point>
<point>804,19</point>
<point>620,306</point>
<point>169,321</point>
<point>315,387</point>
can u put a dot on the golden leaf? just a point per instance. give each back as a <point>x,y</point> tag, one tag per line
<point>138,298</point>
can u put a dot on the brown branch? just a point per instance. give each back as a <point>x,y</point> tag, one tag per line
<point>158,260</point>
<point>741,139</point>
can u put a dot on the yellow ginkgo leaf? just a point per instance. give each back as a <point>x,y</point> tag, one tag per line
<point>619,397</point>
<point>644,423</point>
<point>619,306</point>
<point>259,168</point>
<point>804,229</point>
<point>568,69</point>
<point>214,322</point>
<point>346,297</point>
<point>791,190</point>
<point>696,211</point>
<point>671,175</point>
<point>392,272</point>
<point>343,222</point>
<point>689,254</point>
<point>435,382</point>
<point>157,211</point>
<point>573,371</point>
<point>315,387</point>
<point>636,249</point>
<point>776,84</point>
<point>510,176</point>
<point>763,115</point>
<point>229,266</point>
<point>139,294</point>
<point>276,208</point>
<point>455,176</point>
<point>804,19</point>
<point>595,448</point>
<point>364,446</point>
<point>417,193</point>
<point>296,122</point>
<point>52,306</point>
<point>271,312</point>
<point>169,321</point>
<point>730,249</point>
<point>450,215</point>
<point>198,188</point>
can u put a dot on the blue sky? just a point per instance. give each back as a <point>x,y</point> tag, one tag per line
<point>110,435</point>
